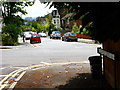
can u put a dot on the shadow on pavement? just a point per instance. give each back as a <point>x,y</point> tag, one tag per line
<point>85,81</point>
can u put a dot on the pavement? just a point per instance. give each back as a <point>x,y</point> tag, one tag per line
<point>58,76</point>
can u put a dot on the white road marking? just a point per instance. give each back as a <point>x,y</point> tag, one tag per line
<point>3,68</point>
<point>20,76</point>
<point>12,86</point>
<point>3,75</point>
<point>44,63</point>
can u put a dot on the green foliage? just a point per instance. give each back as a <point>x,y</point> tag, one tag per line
<point>10,9</point>
<point>17,20</point>
<point>13,23</point>
<point>33,29</point>
<point>10,34</point>
<point>40,27</point>
<point>88,29</point>
<point>75,28</point>
<point>85,31</point>
<point>7,40</point>
<point>22,28</point>
<point>36,26</point>
<point>58,28</point>
<point>49,19</point>
<point>49,25</point>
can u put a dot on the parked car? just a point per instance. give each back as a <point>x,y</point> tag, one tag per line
<point>27,35</point>
<point>31,32</point>
<point>69,36</point>
<point>35,38</point>
<point>55,34</point>
<point>42,34</point>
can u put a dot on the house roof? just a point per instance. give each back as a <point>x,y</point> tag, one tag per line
<point>68,15</point>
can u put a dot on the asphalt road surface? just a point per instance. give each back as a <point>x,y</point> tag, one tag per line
<point>48,51</point>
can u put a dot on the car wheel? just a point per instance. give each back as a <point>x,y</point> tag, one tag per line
<point>31,42</point>
<point>76,40</point>
<point>66,40</point>
<point>62,39</point>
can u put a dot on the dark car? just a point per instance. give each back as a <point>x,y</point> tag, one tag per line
<point>69,36</point>
<point>55,35</point>
<point>35,38</point>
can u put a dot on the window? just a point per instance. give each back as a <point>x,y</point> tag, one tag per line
<point>54,21</point>
<point>68,21</point>
<point>58,21</point>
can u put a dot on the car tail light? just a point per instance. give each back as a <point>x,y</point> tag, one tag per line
<point>69,36</point>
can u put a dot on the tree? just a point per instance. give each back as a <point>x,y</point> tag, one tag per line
<point>9,10</point>
<point>34,24</point>
<point>49,25</point>
<point>12,21</point>
<point>37,26</point>
<point>105,17</point>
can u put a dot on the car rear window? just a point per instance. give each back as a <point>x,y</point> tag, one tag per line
<point>35,36</point>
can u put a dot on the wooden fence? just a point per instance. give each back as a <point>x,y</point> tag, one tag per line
<point>112,67</point>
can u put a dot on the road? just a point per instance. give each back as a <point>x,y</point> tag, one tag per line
<point>48,51</point>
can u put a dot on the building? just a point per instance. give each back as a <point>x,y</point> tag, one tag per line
<point>67,20</point>
<point>56,18</point>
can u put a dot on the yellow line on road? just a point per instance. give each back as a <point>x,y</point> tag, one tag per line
<point>14,73</point>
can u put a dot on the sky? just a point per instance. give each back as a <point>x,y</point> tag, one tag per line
<point>38,9</point>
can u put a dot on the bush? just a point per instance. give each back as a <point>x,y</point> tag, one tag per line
<point>88,29</point>
<point>58,28</point>
<point>8,40</point>
<point>85,31</point>
<point>10,34</point>
<point>75,28</point>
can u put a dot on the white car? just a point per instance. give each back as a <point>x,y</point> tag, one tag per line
<point>27,35</point>
<point>42,34</point>
<point>31,32</point>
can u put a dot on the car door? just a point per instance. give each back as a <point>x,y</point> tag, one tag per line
<point>65,36</point>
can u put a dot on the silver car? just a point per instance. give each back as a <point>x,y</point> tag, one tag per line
<point>55,35</point>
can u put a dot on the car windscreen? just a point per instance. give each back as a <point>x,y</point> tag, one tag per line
<point>35,36</point>
<point>72,34</point>
<point>57,32</point>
